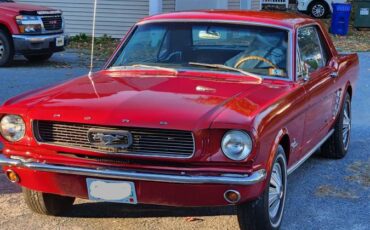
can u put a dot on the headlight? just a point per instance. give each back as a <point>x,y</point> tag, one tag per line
<point>12,127</point>
<point>29,24</point>
<point>236,145</point>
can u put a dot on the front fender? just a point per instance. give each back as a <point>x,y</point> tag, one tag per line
<point>274,147</point>
<point>9,23</point>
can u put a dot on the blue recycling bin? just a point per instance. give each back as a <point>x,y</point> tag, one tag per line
<point>340,18</point>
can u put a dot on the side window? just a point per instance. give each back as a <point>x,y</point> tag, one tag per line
<point>310,49</point>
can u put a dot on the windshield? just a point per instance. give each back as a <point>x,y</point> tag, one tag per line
<point>254,49</point>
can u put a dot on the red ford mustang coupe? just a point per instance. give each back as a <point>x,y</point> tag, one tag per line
<point>202,108</point>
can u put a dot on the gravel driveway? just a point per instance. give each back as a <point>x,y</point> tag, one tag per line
<point>322,194</point>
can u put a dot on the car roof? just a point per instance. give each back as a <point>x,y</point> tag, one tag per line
<point>283,19</point>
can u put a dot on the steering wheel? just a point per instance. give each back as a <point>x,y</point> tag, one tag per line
<point>249,58</point>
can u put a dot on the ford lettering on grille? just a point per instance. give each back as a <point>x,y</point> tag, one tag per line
<point>119,139</point>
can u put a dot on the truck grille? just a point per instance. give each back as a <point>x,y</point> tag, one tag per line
<point>52,22</point>
<point>147,142</point>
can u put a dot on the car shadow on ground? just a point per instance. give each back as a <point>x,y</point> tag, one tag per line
<point>114,210</point>
<point>52,63</point>
<point>67,59</point>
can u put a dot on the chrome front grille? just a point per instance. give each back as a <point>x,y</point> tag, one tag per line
<point>52,22</point>
<point>148,142</point>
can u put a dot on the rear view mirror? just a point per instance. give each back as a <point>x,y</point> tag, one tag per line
<point>209,35</point>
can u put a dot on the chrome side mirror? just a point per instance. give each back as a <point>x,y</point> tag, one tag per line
<point>335,66</point>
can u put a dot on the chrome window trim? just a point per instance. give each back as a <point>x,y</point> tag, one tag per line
<point>290,58</point>
<point>36,137</point>
<point>297,46</point>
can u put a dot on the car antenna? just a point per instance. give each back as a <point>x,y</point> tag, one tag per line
<point>92,50</point>
<point>93,40</point>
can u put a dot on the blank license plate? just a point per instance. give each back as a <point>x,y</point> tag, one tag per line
<point>111,191</point>
<point>59,41</point>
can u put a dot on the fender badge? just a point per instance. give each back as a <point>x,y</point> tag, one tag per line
<point>294,144</point>
<point>56,115</point>
<point>163,123</point>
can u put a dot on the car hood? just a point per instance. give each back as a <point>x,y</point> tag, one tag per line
<point>17,7</point>
<point>142,100</point>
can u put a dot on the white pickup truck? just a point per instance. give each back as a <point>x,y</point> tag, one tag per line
<point>317,8</point>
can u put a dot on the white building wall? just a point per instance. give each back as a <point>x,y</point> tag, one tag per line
<point>169,6</point>
<point>234,4</point>
<point>114,17</point>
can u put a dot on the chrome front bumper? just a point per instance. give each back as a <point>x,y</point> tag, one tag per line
<point>25,44</point>
<point>229,179</point>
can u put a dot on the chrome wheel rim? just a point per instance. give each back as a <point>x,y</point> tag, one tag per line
<point>346,124</point>
<point>318,10</point>
<point>2,49</point>
<point>276,191</point>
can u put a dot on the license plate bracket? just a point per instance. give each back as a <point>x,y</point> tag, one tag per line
<point>59,41</point>
<point>111,191</point>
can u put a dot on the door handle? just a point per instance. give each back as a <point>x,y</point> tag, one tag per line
<point>334,74</point>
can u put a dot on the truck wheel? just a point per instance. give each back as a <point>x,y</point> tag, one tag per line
<point>47,204</point>
<point>337,145</point>
<point>267,211</point>
<point>318,9</point>
<point>6,49</point>
<point>38,57</point>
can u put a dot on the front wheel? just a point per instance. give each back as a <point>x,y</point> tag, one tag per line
<point>6,49</point>
<point>267,211</point>
<point>47,204</point>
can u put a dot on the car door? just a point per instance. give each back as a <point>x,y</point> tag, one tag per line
<point>318,82</point>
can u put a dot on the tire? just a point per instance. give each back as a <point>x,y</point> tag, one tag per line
<point>47,204</point>
<point>258,215</point>
<point>38,57</point>
<point>6,49</point>
<point>336,146</point>
<point>318,9</point>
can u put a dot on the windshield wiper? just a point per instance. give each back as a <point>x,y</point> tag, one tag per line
<point>225,67</point>
<point>142,66</point>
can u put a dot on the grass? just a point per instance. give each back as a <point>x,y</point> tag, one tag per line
<point>104,46</point>
<point>354,41</point>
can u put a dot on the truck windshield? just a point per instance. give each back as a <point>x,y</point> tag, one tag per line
<point>259,50</point>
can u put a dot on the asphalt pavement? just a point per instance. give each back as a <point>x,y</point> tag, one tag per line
<point>322,193</point>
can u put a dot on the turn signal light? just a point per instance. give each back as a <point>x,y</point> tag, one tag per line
<point>12,176</point>
<point>232,196</point>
